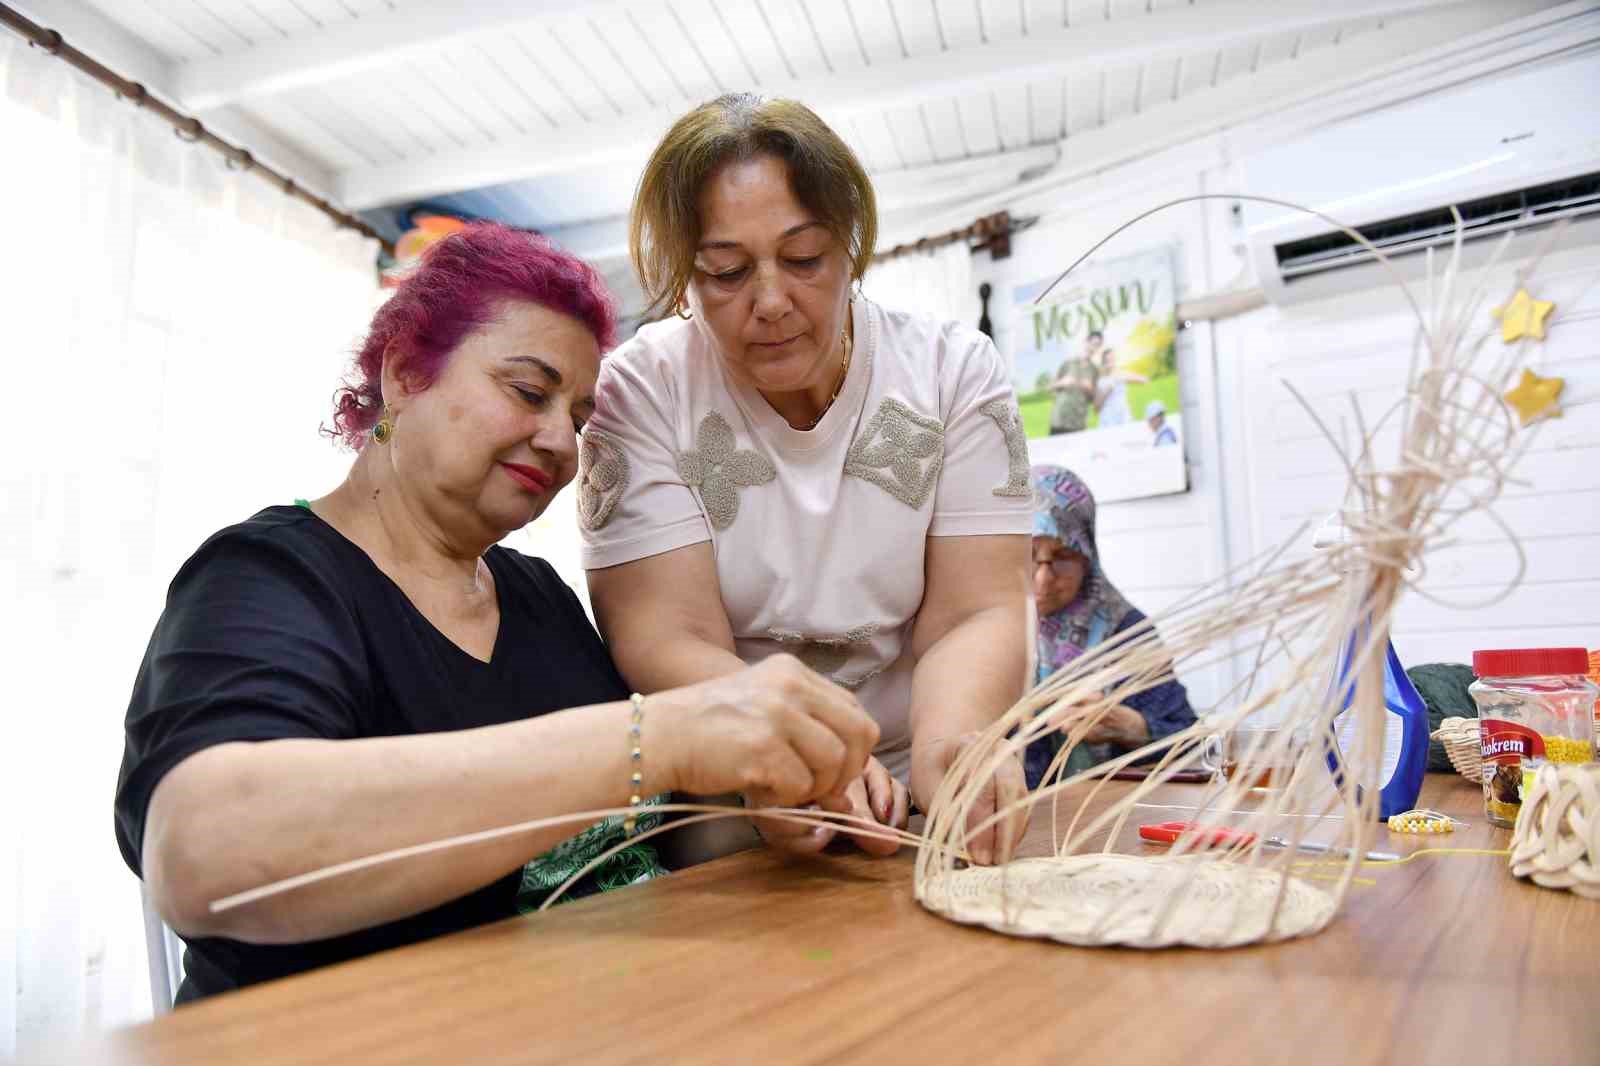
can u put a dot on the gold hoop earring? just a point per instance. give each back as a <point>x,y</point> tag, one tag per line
<point>383,429</point>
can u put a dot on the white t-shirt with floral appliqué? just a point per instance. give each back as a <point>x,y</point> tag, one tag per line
<point>820,535</point>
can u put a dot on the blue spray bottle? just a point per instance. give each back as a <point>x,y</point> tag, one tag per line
<point>1405,718</point>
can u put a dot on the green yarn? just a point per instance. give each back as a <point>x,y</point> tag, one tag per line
<point>1443,688</point>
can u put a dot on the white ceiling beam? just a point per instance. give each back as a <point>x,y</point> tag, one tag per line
<point>1088,49</point>
<point>1016,160</point>
<point>941,182</point>
<point>1406,47</point>
<point>374,40</point>
<point>841,95</point>
<point>87,30</point>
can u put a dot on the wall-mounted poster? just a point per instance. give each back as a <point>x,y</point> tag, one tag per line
<point>1096,373</point>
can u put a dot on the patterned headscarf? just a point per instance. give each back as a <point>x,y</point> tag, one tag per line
<point>1063,507</point>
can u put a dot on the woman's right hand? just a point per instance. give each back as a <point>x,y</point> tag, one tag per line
<point>775,730</point>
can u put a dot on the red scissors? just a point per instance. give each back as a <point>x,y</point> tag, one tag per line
<point>1215,836</point>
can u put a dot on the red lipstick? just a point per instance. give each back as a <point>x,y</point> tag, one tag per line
<point>529,477</point>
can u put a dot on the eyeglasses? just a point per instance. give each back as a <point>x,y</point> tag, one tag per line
<point>1061,567</point>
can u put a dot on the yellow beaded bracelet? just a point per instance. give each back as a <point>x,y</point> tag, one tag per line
<point>1423,821</point>
<point>636,779</point>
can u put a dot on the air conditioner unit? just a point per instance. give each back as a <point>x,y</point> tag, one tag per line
<point>1512,154</point>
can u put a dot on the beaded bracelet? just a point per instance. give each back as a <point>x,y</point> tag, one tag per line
<point>631,822</point>
<point>1423,821</point>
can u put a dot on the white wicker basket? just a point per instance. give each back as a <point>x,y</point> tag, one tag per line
<point>1557,838</point>
<point>1460,739</point>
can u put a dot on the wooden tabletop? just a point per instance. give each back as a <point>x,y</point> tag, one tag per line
<point>1446,959</point>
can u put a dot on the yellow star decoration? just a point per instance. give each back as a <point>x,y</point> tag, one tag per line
<point>1523,317</point>
<point>1535,397</point>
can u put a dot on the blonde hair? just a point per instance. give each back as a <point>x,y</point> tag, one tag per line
<point>824,174</point>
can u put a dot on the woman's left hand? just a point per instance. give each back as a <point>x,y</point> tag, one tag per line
<point>875,796</point>
<point>929,764</point>
<point>1121,725</point>
<point>878,797</point>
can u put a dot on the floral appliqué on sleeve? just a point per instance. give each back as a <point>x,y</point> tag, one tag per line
<point>1005,415</point>
<point>602,478</point>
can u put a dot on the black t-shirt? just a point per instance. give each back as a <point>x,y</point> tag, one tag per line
<point>280,627</point>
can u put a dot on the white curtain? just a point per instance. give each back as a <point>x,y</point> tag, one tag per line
<point>172,334</point>
<point>937,283</point>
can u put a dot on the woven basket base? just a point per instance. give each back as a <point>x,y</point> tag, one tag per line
<point>1102,900</point>
<point>1556,843</point>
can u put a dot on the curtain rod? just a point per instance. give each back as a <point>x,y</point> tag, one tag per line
<point>186,127</point>
<point>992,232</point>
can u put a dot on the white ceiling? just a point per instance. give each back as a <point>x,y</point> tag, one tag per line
<point>541,113</point>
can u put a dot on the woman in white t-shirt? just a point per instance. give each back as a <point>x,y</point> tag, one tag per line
<point>783,466</point>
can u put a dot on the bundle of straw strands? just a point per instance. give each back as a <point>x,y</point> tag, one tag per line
<point>1315,631</point>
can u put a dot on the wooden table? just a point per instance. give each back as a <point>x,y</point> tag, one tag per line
<point>750,959</point>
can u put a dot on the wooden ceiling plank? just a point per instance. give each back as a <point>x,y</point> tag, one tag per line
<point>1013,108</point>
<point>485,87</point>
<point>582,52</point>
<point>1001,19</point>
<point>880,34</point>
<point>978,127</point>
<point>835,30</point>
<point>910,135</point>
<point>945,129</point>
<point>918,26</point>
<point>1155,84</point>
<point>975,71</point>
<point>746,27</point>
<point>1083,102</point>
<point>664,35</point>
<point>379,39</point>
<point>958,23</point>
<point>1122,87</point>
<point>1046,98</point>
<point>1042,15</point>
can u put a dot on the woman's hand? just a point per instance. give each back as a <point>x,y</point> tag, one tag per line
<point>774,730</point>
<point>875,796</point>
<point>878,796</point>
<point>931,761</point>
<point>1121,725</point>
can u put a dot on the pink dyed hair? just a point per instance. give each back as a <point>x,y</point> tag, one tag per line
<point>459,286</point>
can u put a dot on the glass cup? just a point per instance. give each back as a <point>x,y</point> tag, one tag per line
<point>1262,754</point>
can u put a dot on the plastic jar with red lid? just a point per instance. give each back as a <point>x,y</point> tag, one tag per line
<point>1535,706</point>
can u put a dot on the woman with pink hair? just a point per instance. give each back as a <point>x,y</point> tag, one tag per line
<point>372,670</point>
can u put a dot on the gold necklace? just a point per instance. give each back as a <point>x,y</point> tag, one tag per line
<point>844,372</point>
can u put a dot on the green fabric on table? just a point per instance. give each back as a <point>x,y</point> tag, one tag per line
<point>629,866</point>
<point>1443,688</point>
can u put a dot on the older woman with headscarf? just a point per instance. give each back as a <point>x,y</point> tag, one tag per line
<point>1078,608</point>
